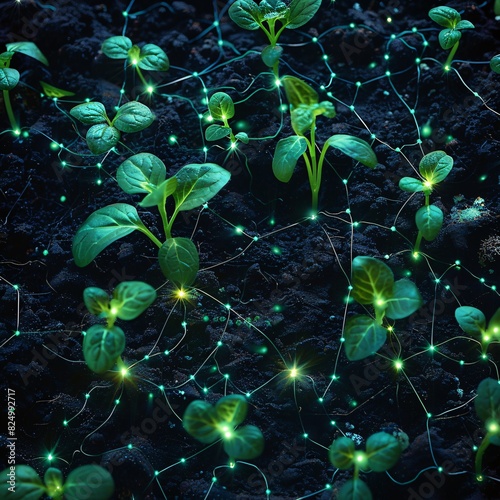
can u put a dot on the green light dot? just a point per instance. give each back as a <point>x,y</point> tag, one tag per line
<point>87,396</point>
<point>332,75</point>
<point>146,357</point>
<point>276,250</point>
<point>393,228</point>
<point>247,394</point>
<point>117,401</point>
<point>172,139</point>
<point>62,199</point>
<point>99,182</point>
<point>214,479</point>
<point>412,111</point>
<point>342,339</point>
<point>347,210</point>
<point>183,324</point>
<point>54,145</point>
<point>398,150</point>
<point>429,415</point>
<point>462,362</point>
<point>320,400</point>
<point>314,39</point>
<point>166,353</point>
<point>351,107</point>
<point>161,387</point>
<point>150,395</point>
<point>418,60</point>
<point>226,376</point>
<point>493,287</point>
<point>206,319</point>
<point>45,252</point>
<point>216,23</point>
<point>457,262</point>
<point>344,181</point>
<point>191,377</point>
<point>305,435</point>
<point>195,74</point>
<point>358,84</point>
<point>277,308</point>
<point>483,177</point>
<point>482,280</point>
<point>205,390</point>
<point>124,13</point>
<point>387,73</point>
<point>130,446</point>
<point>352,25</point>
<point>268,492</point>
<point>157,473</point>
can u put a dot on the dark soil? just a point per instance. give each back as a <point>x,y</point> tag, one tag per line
<point>284,275</point>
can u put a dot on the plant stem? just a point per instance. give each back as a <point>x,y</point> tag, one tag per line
<point>10,113</point>
<point>450,55</point>
<point>417,242</point>
<point>141,76</point>
<point>480,452</point>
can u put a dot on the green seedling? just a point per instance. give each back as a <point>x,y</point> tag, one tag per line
<point>305,107</point>
<point>149,57</point>
<point>55,92</point>
<point>91,481</point>
<point>103,345</point>
<point>449,38</point>
<point>373,284</point>
<point>208,423</point>
<point>221,109</point>
<point>105,133</point>
<point>144,173</point>
<point>9,77</point>
<point>249,15</point>
<point>433,168</point>
<point>382,452</point>
<point>473,322</point>
<point>495,63</point>
<point>487,405</point>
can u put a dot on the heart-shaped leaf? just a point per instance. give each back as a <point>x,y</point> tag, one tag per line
<point>101,138</point>
<point>102,347</point>
<point>245,443</point>
<point>363,337</point>
<point>89,481</point>
<point>153,58</point>
<point>382,451</point>
<point>471,320</point>
<point>117,47</point>
<point>133,117</point>
<point>341,453</point>
<point>179,261</point>
<point>287,152</point>
<point>96,301</point>
<point>429,220</point>
<point>405,301</point>
<point>131,298</point>
<point>141,173</point>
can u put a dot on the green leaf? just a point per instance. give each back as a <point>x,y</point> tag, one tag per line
<point>445,16</point>
<point>448,38</point>
<point>363,337</point>
<point>102,347</point>
<point>133,117</point>
<point>246,14</point>
<point>406,300</point>
<point>382,451</point>
<point>232,409</point>
<point>429,221</point>
<point>101,138</point>
<point>495,63</point>
<point>116,47</point>
<point>5,58</point>
<point>271,55</point>
<point>90,113</point>
<point>242,136</point>
<point>471,320</point>
<point>29,49</point>
<point>494,325</point>
<point>221,105</point>
<point>102,228</point>
<point>51,91</point>
<point>435,167</point>
<point>411,185</point>
<point>287,152</point>
<point>153,58</point>
<point>245,443</point>
<point>302,118</point>
<point>9,78</point>
<point>141,173</point>
<point>28,485</point>
<point>301,12</point>
<point>179,261</point>
<point>200,420</point>
<point>160,193</point>
<point>54,481</point>
<point>216,132</point>
<point>298,91</point>
<point>487,402</point>
<point>341,453</point>
<point>356,148</point>
<point>96,301</point>
<point>464,25</point>
<point>372,281</point>
<point>324,108</point>
<point>89,481</point>
<point>131,298</point>
<point>354,489</point>
<point>198,183</point>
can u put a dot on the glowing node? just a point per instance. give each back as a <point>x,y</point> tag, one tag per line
<point>277,82</point>
<point>124,372</point>
<point>398,365</point>
<point>150,89</point>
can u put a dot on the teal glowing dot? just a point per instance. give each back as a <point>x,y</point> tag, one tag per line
<point>276,250</point>
<point>206,318</point>
<point>157,473</point>
<point>429,415</point>
<point>268,492</point>
<point>333,75</point>
<point>277,308</point>
<point>167,352</point>
<point>328,486</point>
<point>412,111</point>
<point>484,356</point>
<point>195,74</point>
<point>483,178</point>
<point>387,73</point>
<point>216,23</point>
<point>332,422</point>
<point>426,131</point>
<point>87,396</point>
<point>161,387</point>
<point>352,25</point>
<point>255,238</point>
<point>432,348</point>
<point>283,107</point>
<point>150,395</point>
<point>26,133</point>
<point>17,333</point>
<point>325,57</point>
<point>130,446</point>
<point>475,94</point>
<point>493,287</point>
<point>334,377</point>
<point>347,210</point>
<point>419,141</point>
<point>447,287</point>
<point>418,60</point>
<point>355,224</point>
<point>248,394</point>
<point>150,89</point>
<point>314,39</point>
<point>124,13</point>
<point>305,435</point>
<point>386,57</point>
<point>358,84</point>
<point>351,107</point>
<point>393,37</point>
<point>414,29</point>
<point>87,99</point>
<point>342,339</point>
<point>226,376</point>
<point>50,457</point>
<point>63,164</point>
<point>45,253</point>
<point>344,181</point>
<point>172,139</point>
<point>239,229</point>
<point>65,423</point>
<point>122,91</point>
<point>214,479</point>
<point>482,280</point>
<point>54,146</point>
<point>398,150</point>
<point>457,262</point>
<point>227,306</point>
<point>462,362</point>
<point>425,43</point>
<point>99,182</point>
<point>372,65</point>
<point>373,136</point>
<point>146,357</point>
<point>440,469</point>
<point>205,390</point>
<point>191,377</point>
<point>320,400</point>
<point>353,403</point>
<point>393,229</point>
<point>98,165</point>
<point>117,401</point>
<point>322,87</point>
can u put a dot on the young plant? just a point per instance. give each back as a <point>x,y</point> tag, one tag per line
<point>449,38</point>
<point>373,284</point>
<point>487,405</point>
<point>473,322</point>
<point>433,168</point>
<point>305,107</point>
<point>250,16</point>
<point>91,481</point>
<point>150,57</point>
<point>495,63</point>
<point>208,423</point>
<point>9,77</point>
<point>144,173</point>
<point>105,133</point>
<point>221,109</point>
<point>103,344</point>
<point>382,452</point>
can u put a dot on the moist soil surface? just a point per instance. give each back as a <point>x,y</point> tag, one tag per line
<point>271,295</point>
